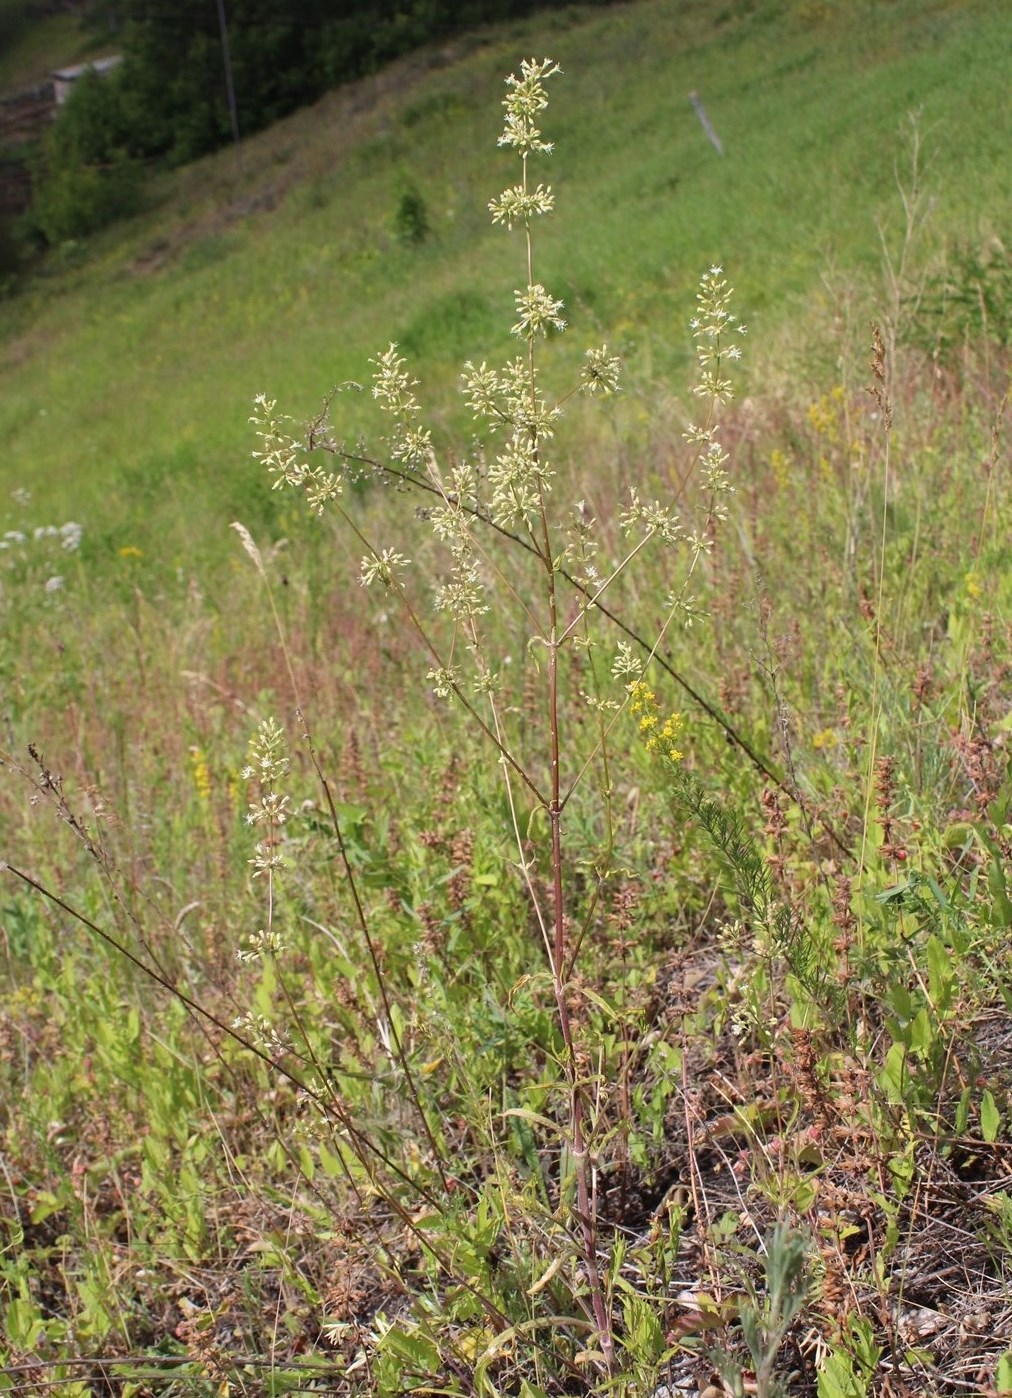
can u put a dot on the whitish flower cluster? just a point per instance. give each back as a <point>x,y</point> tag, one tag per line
<point>524,101</point>
<point>268,765</point>
<point>445,680</point>
<point>716,332</point>
<point>651,517</point>
<point>68,535</point>
<point>260,943</point>
<point>537,312</point>
<point>600,372</point>
<point>582,545</point>
<point>381,567</point>
<point>463,597</point>
<point>686,607</point>
<point>261,1032</point>
<point>508,395</point>
<point>392,389</point>
<point>518,477</point>
<point>282,454</point>
<point>518,205</point>
<point>626,665</point>
<point>20,549</point>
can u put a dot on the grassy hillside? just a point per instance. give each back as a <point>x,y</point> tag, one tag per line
<point>134,364</point>
<point>530,916</point>
<point>37,39</point>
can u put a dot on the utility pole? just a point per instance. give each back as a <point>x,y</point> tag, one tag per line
<point>705,123</point>
<point>233,110</point>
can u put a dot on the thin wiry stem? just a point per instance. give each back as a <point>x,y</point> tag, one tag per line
<point>763,764</point>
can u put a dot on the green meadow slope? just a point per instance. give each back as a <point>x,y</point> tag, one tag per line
<point>128,368</point>
<point>38,38</point>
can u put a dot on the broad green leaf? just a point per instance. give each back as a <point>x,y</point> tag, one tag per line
<point>893,1077</point>
<point>330,1162</point>
<point>990,1117</point>
<point>1003,1374</point>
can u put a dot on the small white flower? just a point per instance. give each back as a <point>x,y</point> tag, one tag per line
<point>381,567</point>
<point>259,942</point>
<point>519,206</point>
<point>625,663</point>
<point>54,584</point>
<point>600,372</point>
<point>526,98</point>
<point>536,311</point>
<point>482,390</point>
<point>445,679</point>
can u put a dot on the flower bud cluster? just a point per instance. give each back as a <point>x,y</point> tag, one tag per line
<point>393,390</point>
<point>269,766</point>
<point>282,454</point>
<point>714,327</point>
<point>524,101</point>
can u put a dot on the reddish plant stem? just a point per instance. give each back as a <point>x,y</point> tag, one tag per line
<point>585,1208</point>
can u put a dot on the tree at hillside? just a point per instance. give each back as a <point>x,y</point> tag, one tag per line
<point>170,99</point>
<point>283,55</point>
<point>87,175</point>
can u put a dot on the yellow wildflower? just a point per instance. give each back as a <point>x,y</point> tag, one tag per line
<point>201,774</point>
<point>658,736</point>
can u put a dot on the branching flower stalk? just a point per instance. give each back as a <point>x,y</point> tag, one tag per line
<point>531,423</point>
<point>510,493</point>
<point>268,764</point>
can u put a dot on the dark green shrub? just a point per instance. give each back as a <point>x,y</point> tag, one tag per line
<point>969,301</point>
<point>10,256</point>
<point>412,218</point>
<point>86,176</point>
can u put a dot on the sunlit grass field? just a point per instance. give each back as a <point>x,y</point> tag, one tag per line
<point>621,1005</point>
